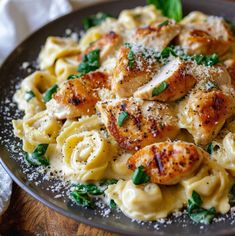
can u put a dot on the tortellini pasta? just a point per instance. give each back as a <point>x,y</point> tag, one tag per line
<point>56,48</point>
<point>212,183</point>
<point>37,129</point>
<point>224,152</point>
<point>36,83</point>
<point>64,67</point>
<point>139,16</point>
<point>88,154</point>
<point>146,202</point>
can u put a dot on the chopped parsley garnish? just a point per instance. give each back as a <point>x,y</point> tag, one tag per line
<point>197,213</point>
<point>82,199</point>
<point>29,95</point>
<point>90,62</point>
<point>48,94</point>
<point>122,117</point>
<point>112,204</point>
<point>38,157</point>
<point>231,195</point>
<point>166,22</point>
<point>209,85</point>
<point>166,52</point>
<point>94,20</point>
<point>74,77</point>
<point>139,176</point>
<point>160,88</point>
<point>89,189</point>
<point>210,148</point>
<point>131,59</point>
<point>169,8</point>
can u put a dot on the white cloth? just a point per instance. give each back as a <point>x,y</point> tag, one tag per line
<point>19,18</point>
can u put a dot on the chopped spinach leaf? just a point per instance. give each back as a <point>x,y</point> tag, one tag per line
<point>38,157</point>
<point>74,77</point>
<point>112,204</point>
<point>90,62</point>
<point>94,20</point>
<point>210,148</point>
<point>122,117</point>
<point>29,95</point>
<point>131,59</point>
<point>82,199</point>
<point>48,94</point>
<point>107,182</point>
<point>139,176</point>
<point>166,22</point>
<point>161,88</point>
<point>197,213</point>
<point>88,189</point>
<point>169,8</point>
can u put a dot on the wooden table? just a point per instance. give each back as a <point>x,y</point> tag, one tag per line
<point>26,216</point>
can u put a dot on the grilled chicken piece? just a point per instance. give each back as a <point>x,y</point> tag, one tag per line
<point>131,73</point>
<point>107,44</point>
<point>230,65</point>
<point>146,122</point>
<point>168,162</point>
<point>157,35</point>
<point>204,113</point>
<point>212,36</point>
<point>78,97</point>
<point>172,83</point>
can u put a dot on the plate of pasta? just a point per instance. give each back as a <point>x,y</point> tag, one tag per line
<point>121,116</point>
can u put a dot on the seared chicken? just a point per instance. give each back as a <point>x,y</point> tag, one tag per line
<point>78,97</point>
<point>131,73</point>
<point>212,36</point>
<point>157,35</point>
<point>172,83</point>
<point>145,122</point>
<point>107,44</point>
<point>168,162</point>
<point>204,113</point>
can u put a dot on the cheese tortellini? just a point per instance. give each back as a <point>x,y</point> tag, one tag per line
<point>37,129</point>
<point>146,202</point>
<point>88,154</point>
<point>56,48</point>
<point>212,183</point>
<point>36,84</point>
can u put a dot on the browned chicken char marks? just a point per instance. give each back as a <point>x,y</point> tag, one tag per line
<point>168,162</point>
<point>147,122</point>
<point>78,96</point>
<point>204,113</point>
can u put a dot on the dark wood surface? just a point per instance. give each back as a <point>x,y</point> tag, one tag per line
<point>26,216</point>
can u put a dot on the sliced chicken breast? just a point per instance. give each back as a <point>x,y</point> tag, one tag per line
<point>145,122</point>
<point>212,36</point>
<point>157,35</point>
<point>131,71</point>
<point>78,97</point>
<point>168,162</point>
<point>230,65</point>
<point>204,113</point>
<point>173,82</point>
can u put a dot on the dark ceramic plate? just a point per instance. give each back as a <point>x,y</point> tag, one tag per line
<point>11,74</point>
